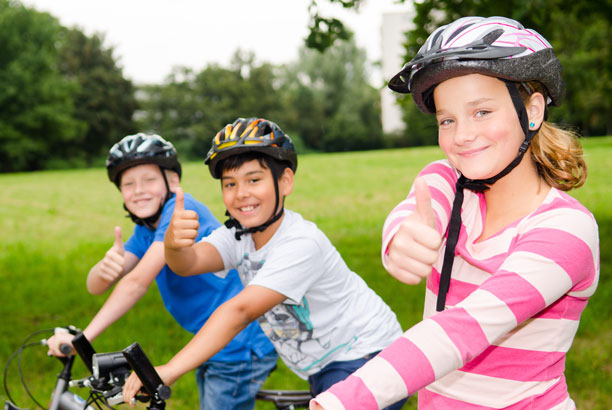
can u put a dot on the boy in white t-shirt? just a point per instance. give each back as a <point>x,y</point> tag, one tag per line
<point>322,318</point>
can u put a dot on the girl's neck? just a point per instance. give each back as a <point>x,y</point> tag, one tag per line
<point>513,197</point>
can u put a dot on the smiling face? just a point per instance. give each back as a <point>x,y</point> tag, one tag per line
<point>143,189</point>
<point>249,195</point>
<point>478,127</point>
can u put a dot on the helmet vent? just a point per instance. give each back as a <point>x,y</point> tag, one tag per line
<point>458,31</point>
<point>492,36</point>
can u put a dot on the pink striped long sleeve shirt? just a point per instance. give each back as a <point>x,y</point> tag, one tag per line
<point>512,311</point>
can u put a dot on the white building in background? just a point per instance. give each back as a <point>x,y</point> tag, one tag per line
<point>393,28</point>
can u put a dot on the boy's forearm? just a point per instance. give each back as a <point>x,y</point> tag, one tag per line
<point>122,299</point>
<point>222,326</point>
<point>179,260</point>
<point>96,285</point>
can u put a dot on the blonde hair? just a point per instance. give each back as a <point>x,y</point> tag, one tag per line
<point>557,152</point>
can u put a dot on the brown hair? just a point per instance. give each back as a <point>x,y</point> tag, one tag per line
<point>556,151</point>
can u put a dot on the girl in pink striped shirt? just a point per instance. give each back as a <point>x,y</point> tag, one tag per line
<point>510,258</point>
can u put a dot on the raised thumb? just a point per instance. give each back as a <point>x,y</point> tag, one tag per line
<point>179,204</point>
<point>118,239</point>
<point>423,202</point>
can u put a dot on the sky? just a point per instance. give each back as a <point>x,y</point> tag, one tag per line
<point>151,36</point>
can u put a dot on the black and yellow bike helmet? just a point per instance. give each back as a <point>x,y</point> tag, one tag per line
<point>250,135</point>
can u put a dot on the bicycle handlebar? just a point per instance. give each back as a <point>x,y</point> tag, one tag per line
<point>106,386</point>
<point>65,348</point>
<point>84,349</point>
<point>151,381</point>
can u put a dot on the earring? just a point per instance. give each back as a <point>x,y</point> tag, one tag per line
<point>532,124</point>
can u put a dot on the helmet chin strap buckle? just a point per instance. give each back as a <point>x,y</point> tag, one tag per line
<point>525,145</point>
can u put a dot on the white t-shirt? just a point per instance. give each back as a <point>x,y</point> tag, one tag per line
<point>330,314</point>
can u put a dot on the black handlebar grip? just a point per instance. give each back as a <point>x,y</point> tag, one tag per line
<point>65,348</point>
<point>145,371</point>
<point>84,349</point>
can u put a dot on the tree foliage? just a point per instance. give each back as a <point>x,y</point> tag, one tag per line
<point>335,107</point>
<point>323,101</point>
<point>104,100</point>
<point>62,97</point>
<point>189,108</point>
<point>35,99</point>
<point>324,30</point>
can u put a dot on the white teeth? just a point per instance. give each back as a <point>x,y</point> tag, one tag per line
<point>247,208</point>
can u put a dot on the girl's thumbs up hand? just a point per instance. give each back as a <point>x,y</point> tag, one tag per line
<point>414,248</point>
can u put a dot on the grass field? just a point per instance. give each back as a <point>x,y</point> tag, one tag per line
<point>55,225</point>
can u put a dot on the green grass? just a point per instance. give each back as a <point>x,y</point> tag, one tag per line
<point>55,225</point>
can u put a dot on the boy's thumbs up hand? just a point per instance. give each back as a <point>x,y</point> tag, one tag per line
<point>111,266</point>
<point>414,248</point>
<point>183,229</point>
<point>179,204</point>
<point>118,245</point>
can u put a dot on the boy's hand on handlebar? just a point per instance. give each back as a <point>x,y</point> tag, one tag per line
<point>57,340</point>
<point>183,228</point>
<point>131,387</point>
<point>133,384</point>
<point>111,266</point>
<point>414,248</point>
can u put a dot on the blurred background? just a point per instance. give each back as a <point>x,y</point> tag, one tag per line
<point>77,76</point>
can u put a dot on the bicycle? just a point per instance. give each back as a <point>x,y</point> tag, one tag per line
<point>108,372</point>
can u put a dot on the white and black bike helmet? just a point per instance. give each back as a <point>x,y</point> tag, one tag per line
<point>141,149</point>
<point>494,46</point>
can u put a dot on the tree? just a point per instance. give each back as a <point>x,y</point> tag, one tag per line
<point>323,30</point>
<point>189,108</point>
<point>104,100</point>
<point>36,103</point>
<point>334,108</point>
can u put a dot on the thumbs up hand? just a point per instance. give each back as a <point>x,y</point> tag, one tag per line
<point>183,228</point>
<point>111,266</point>
<point>414,248</point>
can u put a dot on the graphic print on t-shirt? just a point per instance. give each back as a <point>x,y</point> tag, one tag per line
<point>288,326</point>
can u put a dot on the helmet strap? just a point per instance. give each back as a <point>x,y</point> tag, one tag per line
<point>478,185</point>
<point>150,221</point>
<point>241,230</point>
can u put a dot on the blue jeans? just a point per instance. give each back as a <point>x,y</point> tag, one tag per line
<point>233,385</point>
<point>335,372</point>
